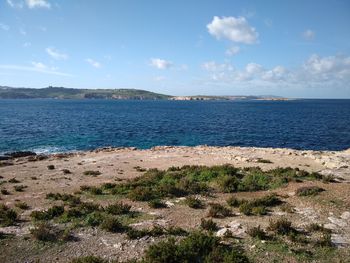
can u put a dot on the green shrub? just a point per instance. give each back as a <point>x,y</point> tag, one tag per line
<point>45,232</point>
<point>156,203</point>
<point>13,181</point>
<point>5,192</point>
<point>309,191</point>
<point>51,213</point>
<point>281,226</point>
<point>287,208</point>
<point>92,173</point>
<point>315,227</point>
<point>19,188</point>
<point>228,184</point>
<point>143,194</point>
<point>94,219</point>
<point>254,182</point>
<point>257,232</point>
<point>325,240</point>
<point>22,205</point>
<point>118,208</point>
<point>112,224</point>
<point>217,210</point>
<point>197,247</point>
<point>246,208</point>
<point>51,167</point>
<point>89,259</point>
<point>194,202</point>
<point>108,186</point>
<point>260,160</point>
<point>72,200</point>
<point>209,225</point>
<point>234,202</point>
<point>8,216</point>
<point>259,210</point>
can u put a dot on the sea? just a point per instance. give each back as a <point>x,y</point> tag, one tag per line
<point>54,125</point>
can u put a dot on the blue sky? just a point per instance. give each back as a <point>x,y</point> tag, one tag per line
<point>287,48</point>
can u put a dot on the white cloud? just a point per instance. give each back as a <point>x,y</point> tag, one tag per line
<point>29,3</point>
<point>316,71</point>
<point>15,3</point>
<point>4,27</point>
<point>232,51</point>
<point>55,54</point>
<point>38,4</point>
<point>235,29</point>
<point>36,67</point>
<point>309,34</point>
<point>159,78</point>
<point>27,44</point>
<point>93,63</point>
<point>160,63</point>
<point>22,32</point>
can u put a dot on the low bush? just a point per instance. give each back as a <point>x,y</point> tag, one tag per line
<point>281,226</point>
<point>92,173</point>
<point>51,213</point>
<point>315,227</point>
<point>197,247</point>
<point>156,203</point>
<point>66,171</point>
<point>89,259</point>
<point>13,181</point>
<point>194,202</point>
<point>260,160</point>
<point>51,167</point>
<point>208,225</point>
<point>5,191</point>
<point>107,186</point>
<point>8,216</point>
<point>309,191</point>
<point>118,208</point>
<point>19,188</point>
<point>45,232</point>
<point>257,232</point>
<point>70,199</point>
<point>219,211</point>
<point>112,224</point>
<point>234,202</point>
<point>325,240</point>
<point>22,205</point>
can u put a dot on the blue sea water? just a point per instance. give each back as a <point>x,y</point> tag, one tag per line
<point>47,125</point>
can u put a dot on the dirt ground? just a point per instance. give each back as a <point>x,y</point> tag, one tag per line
<point>331,208</point>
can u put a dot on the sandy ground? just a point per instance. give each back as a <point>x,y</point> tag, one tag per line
<point>332,207</point>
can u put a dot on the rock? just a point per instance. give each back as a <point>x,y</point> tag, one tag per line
<point>169,204</point>
<point>339,240</point>
<point>234,227</point>
<point>345,216</point>
<point>20,154</point>
<point>337,221</point>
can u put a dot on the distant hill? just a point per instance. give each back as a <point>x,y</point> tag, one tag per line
<point>67,93</point>
<point>117,94</point>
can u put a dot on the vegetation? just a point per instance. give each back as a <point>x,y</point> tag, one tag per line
<point>192,180</point>
<point>309,191</point>
<point>194,202</point>
<point>70,199</point>
<point>67,93</point>
<point>209,225</point>
<point>112,224</point>
<point>8,216</point>
<point>51,213</point>
<point>257,232</point>
<point>281,226</point>
<point>156,203</point>
<point>14,181</point>
<point>92,173</point>
<point>197,247</point>
<point>22,205</point>
<point>19,188</point>
<point>118,208</point>
<point>218,211</point>
<point>5,191</point>
<point>48,233</point>
<point>51,167</point>
<point>155,232</point>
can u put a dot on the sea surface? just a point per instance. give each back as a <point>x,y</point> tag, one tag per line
<point>48,125</point>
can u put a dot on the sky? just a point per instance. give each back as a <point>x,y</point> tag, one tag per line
<point>183,47</point>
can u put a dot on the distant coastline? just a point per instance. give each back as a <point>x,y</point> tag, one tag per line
<point>113,94</point>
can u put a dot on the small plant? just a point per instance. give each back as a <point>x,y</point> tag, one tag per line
<point>217,210</point>
<point>51,167</point>
<point>19,188</point>
<point>309,191</point>
<point>34,178</point>
<point>281,226</point>
<point>314,227</point>
<point>209,225</point>
<point>89,259</point>
<point>45,232</point>
<point>5,191</point>
<point>194,202</point>
<point>22,205</point>
<point>92,173</point>
<point>108,186</point>
<point>8,216</point>
<point>118,208</point>
<point>14,181</point>
<point>94,219</point>
<point>95,190</point>
<point>257,232</point>
<point>140,169</point>
<point>66,171</point>
<point>234,202</point>
<point>156,203</point>
<point>325,240</point>
<point>287,208</point>
<point>112,224</point>
<point>51,213</point>
<point>260,160</point>
<point>259,210</point>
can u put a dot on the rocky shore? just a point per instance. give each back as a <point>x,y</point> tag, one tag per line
<point>69,173</point>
